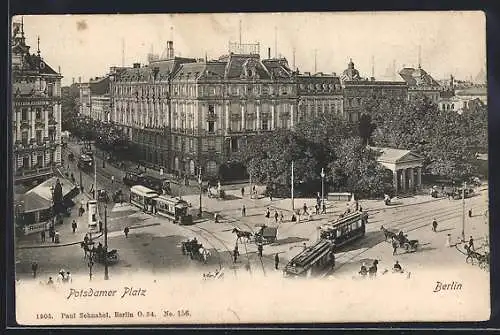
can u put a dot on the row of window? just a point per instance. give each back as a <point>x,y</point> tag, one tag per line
<point>37,160</point>
<point>38,137</point>
<point>37,112</point>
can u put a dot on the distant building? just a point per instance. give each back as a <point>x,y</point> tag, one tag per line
<point>36,104</point>
<point>420,83</point>
<point>319,93</point>
<point>356,90</point>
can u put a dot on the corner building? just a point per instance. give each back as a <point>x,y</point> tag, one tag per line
<point>185,114</point>
<point>36,108</point>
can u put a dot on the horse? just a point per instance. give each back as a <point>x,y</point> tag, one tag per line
<point>242,233</point>
<point>204,253</point>
<point>387,233</point>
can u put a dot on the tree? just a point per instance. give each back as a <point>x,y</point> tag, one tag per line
<point>357,170</point>
<point>366,128</point>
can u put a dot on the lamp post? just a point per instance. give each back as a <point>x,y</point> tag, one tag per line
<point>200,183</point>
<point>106,274</point>
<point>53,207</point>
<point>293,202</point>
<point>322,187</point>
<point>463,212</point>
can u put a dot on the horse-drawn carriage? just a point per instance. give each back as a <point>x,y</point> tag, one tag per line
<point>216,192</point>
<point>98,254</point>
<point>399,240</point>
<point>266,235</point>
<point>402,241</point>
<point>483,260</point>
<point>195,250</point>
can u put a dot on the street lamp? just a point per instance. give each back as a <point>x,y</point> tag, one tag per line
<point>463,212</point>
<point>322,187</point>
<point>199,182</point>
<point>106,275</point>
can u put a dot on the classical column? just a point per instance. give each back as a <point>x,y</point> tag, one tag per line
<point>257,107</point>
<point>272,114</point>
<point>243,125</point>
<point>18,116</point>
<point>46,121</point>
<point>226,105</point>
<point>395,180</point>
<point>292,115</point>
<point>411,171</point>
<point>403,179</point>
<point>419,177</point>
<point>32,122</point>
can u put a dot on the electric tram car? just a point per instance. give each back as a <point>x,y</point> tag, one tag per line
<point>313,261</point>
<point>143,197</point>
<point>346,229</point>
<point>150,201</point>
<point>174,209</point>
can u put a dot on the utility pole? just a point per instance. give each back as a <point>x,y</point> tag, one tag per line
<point>293,202</point>
<point>106,275</point>
<point>95,177</point>
<point>200,183</point>
<point>463,212</point>
<point>322,187</point>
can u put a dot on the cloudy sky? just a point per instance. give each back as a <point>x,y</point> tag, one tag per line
<point>87,45</point>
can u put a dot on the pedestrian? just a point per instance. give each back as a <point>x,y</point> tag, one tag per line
<point>254,191</point>
<point>357,205</point>
<point>242,192</point>
<point>470,213</point>
<point>50,282</point>
<point>304,245</point>
<point>276,261</point>
<point>81,188</point>
<point>324,208</point>
<point>68,277</point>
<point>126,230</point>
<point>394,246</point>
<point>72,177</point>
<point>305,209</point>
<point>52,234</point>
<point>34,268</point>
<point>42,235</point>
<point>276,216</point>
<point>298,216</point>
<point>73,226</point>
<point>216,217</point>
<point>434,225</point>
<point>360,208</point>
<point>281,217</point>
<point>236,253</point>
<point>112,179</point>
<point>268,213</point>
<point>471,244</point>
<point>100,226</point>
<point>317,209</point>
<point>271,196</point>
<point>260,249</point>
<point>294,218</point>
<point>448,240</point>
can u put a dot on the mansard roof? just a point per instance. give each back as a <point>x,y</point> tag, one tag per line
<point>418,77</point>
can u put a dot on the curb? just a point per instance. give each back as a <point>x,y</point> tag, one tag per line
<point>78,242</point>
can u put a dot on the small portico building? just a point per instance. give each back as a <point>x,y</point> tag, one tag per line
<point>406,167</point>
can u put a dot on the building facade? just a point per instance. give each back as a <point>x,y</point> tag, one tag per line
<point>421,83</point>
<point>36,104</point>
<point>319,93</point>
<point>356,90</point>
<point>184,114</point>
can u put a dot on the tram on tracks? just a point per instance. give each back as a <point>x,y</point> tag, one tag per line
<point>346,229</point>
<point>313,261</point>
<point>174,209</point>
<point>143,197</point>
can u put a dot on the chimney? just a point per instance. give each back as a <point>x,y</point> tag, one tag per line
<point>170,49</point>
<point>73,80</point>
<point>269,53</point>
<point>137,65</point>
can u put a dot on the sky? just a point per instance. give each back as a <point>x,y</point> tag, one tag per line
<point>87,45</point>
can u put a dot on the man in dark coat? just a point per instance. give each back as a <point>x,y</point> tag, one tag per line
<point>276,261</point>
<point>126,230</point>
<point>34,268</point>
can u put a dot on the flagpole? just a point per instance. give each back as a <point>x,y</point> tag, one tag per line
<point>293,202</point>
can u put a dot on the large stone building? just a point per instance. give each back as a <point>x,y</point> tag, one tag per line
<point>36,104</point>
<point>319,93</point>
<point>356,90</point>
<point>184,113</point>
<point>421,83</point>
<point>95,99</point>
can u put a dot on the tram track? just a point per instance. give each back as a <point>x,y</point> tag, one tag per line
<point>450,213</point>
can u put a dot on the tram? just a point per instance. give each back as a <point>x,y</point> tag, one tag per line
<point>346,229</point>
<point>85,162</point>
<point>143,197</point>
<point>313,261</point>
<point>173,208</point>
